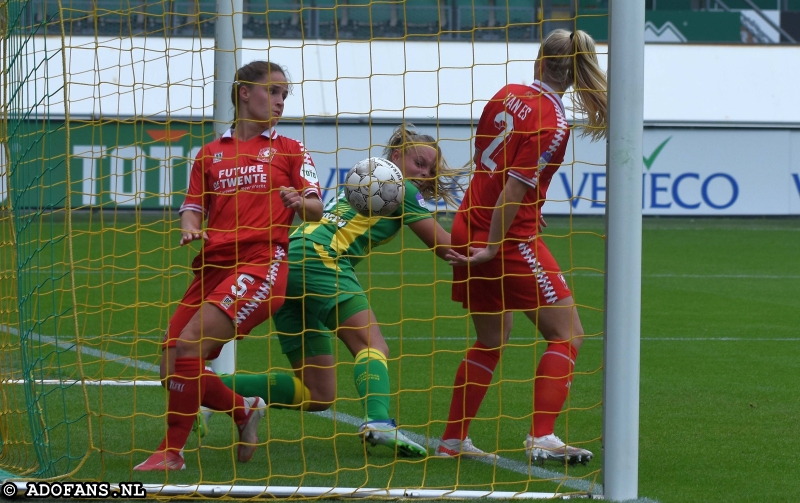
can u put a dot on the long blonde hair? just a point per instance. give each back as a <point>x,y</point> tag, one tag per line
<point>442,184</point>
<point>570,60</point>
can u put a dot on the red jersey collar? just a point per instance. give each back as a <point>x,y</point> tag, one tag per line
<point>548,91</point>
<point>267,133</point>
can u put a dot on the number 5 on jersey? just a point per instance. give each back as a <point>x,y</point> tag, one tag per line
<point>242,281</point>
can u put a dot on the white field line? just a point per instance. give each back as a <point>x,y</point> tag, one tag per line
<point>731,228</point>
<point>508,464</point>
<point>170,273</point>
<point>600,339</point>
<point>561,232</point>
<point>103,355</point>
<point>112,338</point>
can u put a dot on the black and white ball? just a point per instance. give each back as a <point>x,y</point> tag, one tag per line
<point>374,187</point>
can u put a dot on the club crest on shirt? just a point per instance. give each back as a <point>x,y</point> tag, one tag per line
<point>217,157</point>
<point>266,154</point>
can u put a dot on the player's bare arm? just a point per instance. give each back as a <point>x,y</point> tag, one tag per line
<point>506,208</point>
<point>309,208</point>
<point>192,227</point>
<point>437,239</point>
<point>433,235</point>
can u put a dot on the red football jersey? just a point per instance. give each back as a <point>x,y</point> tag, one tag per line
<point>522,132</point>
<point>236,184</point>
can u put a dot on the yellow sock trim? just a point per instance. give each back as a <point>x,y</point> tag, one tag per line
<point>302,395</point>
<point>371,354</point>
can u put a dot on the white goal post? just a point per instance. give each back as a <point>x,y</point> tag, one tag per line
<point>623,280</point>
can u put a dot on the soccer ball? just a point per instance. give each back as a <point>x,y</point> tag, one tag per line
<point>374,187</point>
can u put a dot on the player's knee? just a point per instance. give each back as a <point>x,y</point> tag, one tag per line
<point>167,365</point>
<point>375,341</point>
<point>382,347</point>
<point>573,337</point>
<point>321,398</point>
<point>493,341</point>
<point>187,348</point>
<point>318,406</point>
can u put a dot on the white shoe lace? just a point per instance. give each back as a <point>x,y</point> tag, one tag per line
<point>463,447</point>
<point>550,441</point>
<point>468,446</point>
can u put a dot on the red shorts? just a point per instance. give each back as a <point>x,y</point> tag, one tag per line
<point>522,276</point>
<point>248,293</point>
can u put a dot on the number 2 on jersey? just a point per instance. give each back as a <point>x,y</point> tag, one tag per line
<point>505,122</point>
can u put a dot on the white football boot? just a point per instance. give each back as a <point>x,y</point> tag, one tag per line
<point>453,447</point>
<point>386,433</point>
<point>550,447</point>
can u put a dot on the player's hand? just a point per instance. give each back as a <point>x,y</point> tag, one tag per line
<point>189,235</point>
<point>291,198</point>
<point>542,223</point>
<point>476,256</point>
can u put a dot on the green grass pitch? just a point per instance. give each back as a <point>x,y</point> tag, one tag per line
<point>720,344</point>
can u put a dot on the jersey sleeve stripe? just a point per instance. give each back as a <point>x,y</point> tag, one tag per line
<point>312,190</point>
<point>522,178</point>
<point>193,207</point>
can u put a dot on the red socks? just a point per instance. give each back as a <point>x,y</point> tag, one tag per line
<point>219,397</point>
<point>185,396</point>
<point>191,386</point>
<point>553,379</point>
<point>472,381</point>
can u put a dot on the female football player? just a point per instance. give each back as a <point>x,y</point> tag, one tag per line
<point>519,145</point>
<point>248,184</point>
<point>325,296</point>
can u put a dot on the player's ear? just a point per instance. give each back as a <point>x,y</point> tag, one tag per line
<point>397,157</point>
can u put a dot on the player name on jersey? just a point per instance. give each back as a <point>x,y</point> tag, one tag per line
<point>516,106</point>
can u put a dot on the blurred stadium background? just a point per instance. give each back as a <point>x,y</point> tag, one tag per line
<point>720,21</point>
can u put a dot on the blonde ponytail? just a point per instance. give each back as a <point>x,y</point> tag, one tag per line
<point>591,87</point>
<point>570,60</point>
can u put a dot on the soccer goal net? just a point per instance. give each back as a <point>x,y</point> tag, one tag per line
<point>106,105</point>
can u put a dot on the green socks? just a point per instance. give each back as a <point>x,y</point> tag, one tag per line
<point>281,391</point>
<point>371,376</point>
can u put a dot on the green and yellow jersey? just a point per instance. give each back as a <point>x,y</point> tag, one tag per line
<point>349,234</point>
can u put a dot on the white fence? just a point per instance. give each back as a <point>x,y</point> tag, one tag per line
<point>448,81</point>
